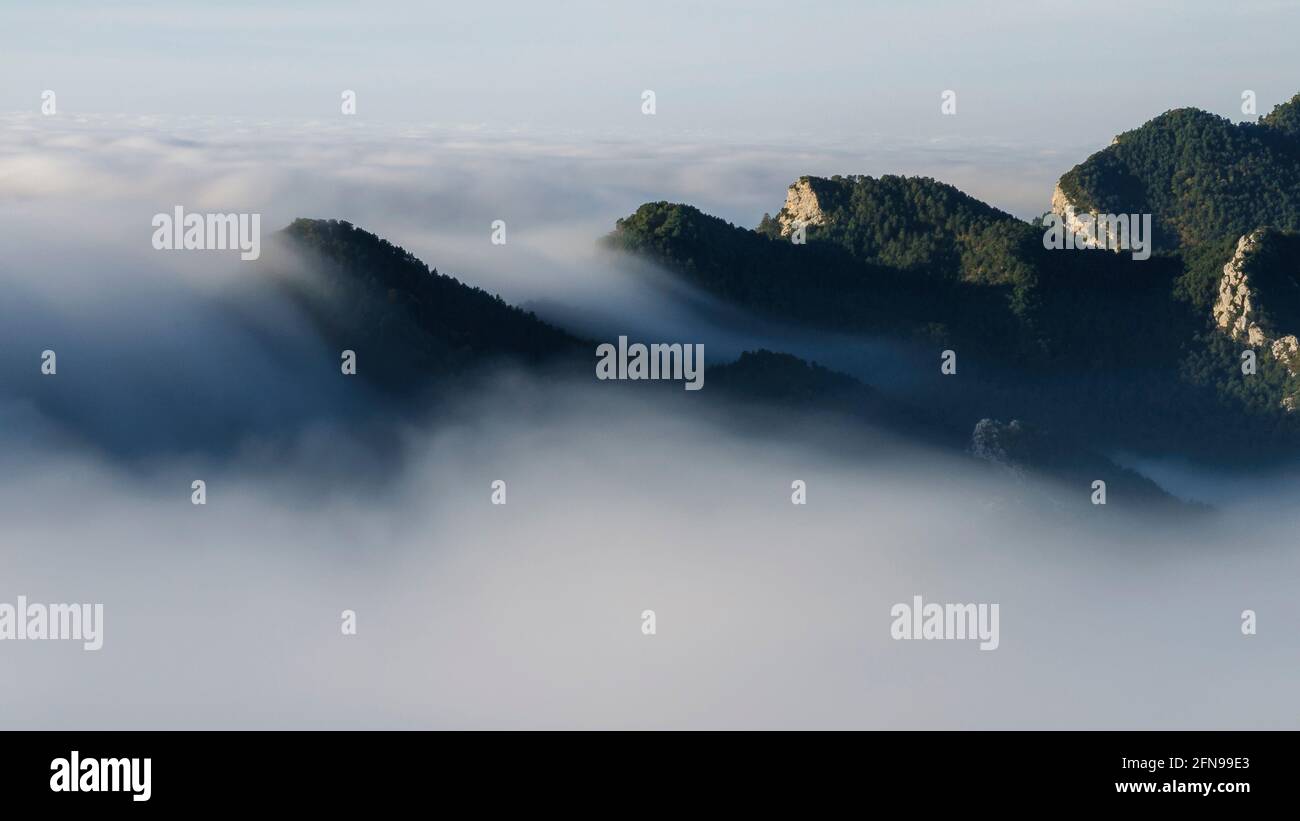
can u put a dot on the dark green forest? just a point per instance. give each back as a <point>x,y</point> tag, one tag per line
<point>1122,352</point>
<point>407,322</point>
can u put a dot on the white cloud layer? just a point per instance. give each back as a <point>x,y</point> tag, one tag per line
<point>527,615</point>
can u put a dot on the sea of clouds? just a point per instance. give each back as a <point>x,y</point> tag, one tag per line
<point>175,366</point>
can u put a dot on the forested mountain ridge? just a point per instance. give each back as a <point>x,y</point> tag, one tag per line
<point>406,322</point>
<point>915,224</point>
<point>1202,176</point>
<point>416,331</point>
<point>1128,353</point>
<point>916,259</point>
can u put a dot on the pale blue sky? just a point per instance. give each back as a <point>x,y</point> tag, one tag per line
<point>1025,72</point>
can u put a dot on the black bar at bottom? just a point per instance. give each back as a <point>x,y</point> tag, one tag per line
<point>337,770</point>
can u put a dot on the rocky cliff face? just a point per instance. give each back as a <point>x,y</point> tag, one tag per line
<point>1238,312</point>
<point>1069,211</point>
<point>802,207</point>
<point>1235,311</point>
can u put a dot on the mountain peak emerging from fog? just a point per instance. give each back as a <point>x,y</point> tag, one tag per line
<point>1124,352</point>
<point>1204,177</point>
<point>410,323</point>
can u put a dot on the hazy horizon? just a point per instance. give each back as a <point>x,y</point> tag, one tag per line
<point>731,70</point>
